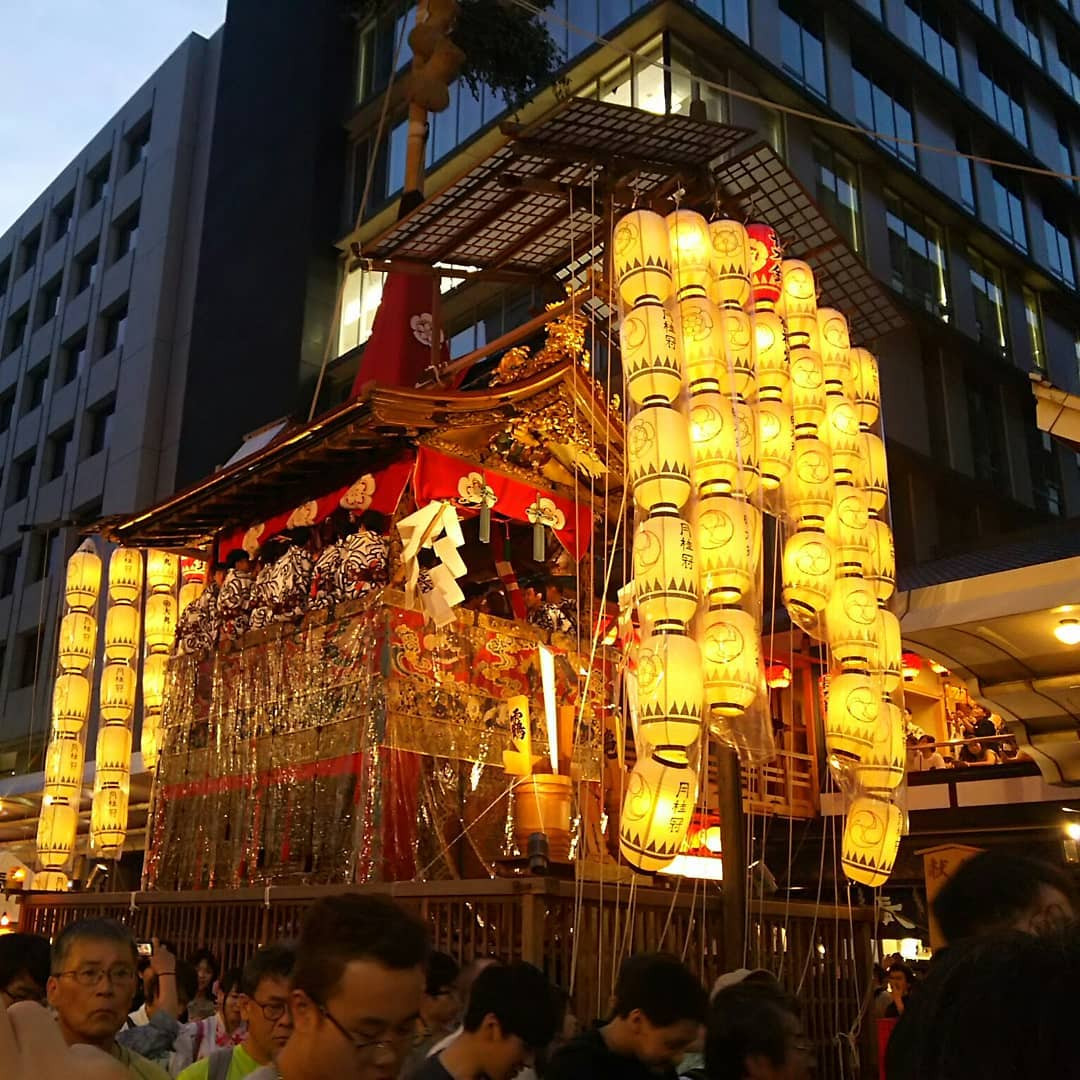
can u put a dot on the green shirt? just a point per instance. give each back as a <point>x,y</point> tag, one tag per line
<point>137,1065</point>
<point>241,1064</point>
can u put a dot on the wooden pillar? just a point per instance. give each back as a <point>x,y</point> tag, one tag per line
<point>733,833</point>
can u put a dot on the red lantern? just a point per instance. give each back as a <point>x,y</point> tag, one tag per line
<point>777,676</point>
<point>766,255</point>
<point>912,665</point>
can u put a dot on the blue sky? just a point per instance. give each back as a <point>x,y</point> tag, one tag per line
<point>66,66</point>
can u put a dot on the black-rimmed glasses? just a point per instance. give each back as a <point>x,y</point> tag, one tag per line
<point>272,1010</point>
<point>369,1048</point>
<point>91,977</point>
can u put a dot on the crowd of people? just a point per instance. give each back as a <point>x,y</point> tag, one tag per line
<point>360,996</point>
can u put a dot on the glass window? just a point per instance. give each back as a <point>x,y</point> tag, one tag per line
<point>28,251</point>
<point>883,106</point>
<point>965,170</point>
<point>1045,472</point>
<point>15,333</point>
<point>97,183</point>
<point>1000,96</point>
<point>137,143</point>
<point>9,568</point>
<point>5,274</point>
<point>61,218</point>
<point>987,7</point>
<point>1059,247</point>
<point>1065,154</point>
<point>802,44</point>
<point>1033,317</point>
<point>1025,30</point>
<point>48,301</point>
<point>987,431</point>
<point>115,330</point>
<point>1009,208</point>
<point>395,164</point>
<point>989,295</point>
<point>1067,71</point>
<point>57,453</point>
<point>125,235</point>
<point>613,12</point>
<point>873,6</point>
<point>37,379</point>
<point>86,270</point>
<point>837,191</point>
<point>7,410</point>
<point>734,14</point>
<point>29,655</point>
<point>917,254</point>
<point>73,357</point>
<point>21,474</point>
<point>930,33</point>
<point>359,302</point>
<point>100,428</point>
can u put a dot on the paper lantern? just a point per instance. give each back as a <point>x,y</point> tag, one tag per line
<point>658,444</point>
<point>777,676</point>
<point>78,640</point>
<point>162,569</point>
<point>665,572</point>
<point>691,253</point>
<point>872,834</point>
<point>650,355</point>
<point>809,488</point>
<point>765,256</point>
<point>890,650</point>
<point>642,258</point>
<point>881,558</point>
<point>155,668</point>
<point>121,633</point>
<point>802,333</point>
<point>114,751</point>
<point>118,692</point>
<point>731,651</point>
<point>728,532</point>
<point>847,525</point>
<point>881,767</point>
<point>875,475</point>
<point>771,367</point>
<point>809,574</point>
<point>82,583</point>
<point>729,282</point>
<point>807,390</point>
<point>702,337</point>
<point>189,593</point>
<point>776,442</point>
<point>912,664</point>
<point>108,821</point>
<point>657,810</point>
<point>738,364</point>
<point>852,622</point>
<point>836,353</point>
<point>64,768</point>
<point>192,571</point>
<point>160,622</point>
<point>800,289</point>
<point>723,444</point>
<point>669,679</point>
<point>125,575</point>
<point>51,881</point>
<point>851,712</point>
<point>864,370</point>
<point>56,834</point>
<point>840,432</point>
<point>70,703</point>
<point>150,739</point>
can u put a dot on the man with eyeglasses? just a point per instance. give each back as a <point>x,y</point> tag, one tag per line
<point>264,1007</point>
<point>91,987</point>
<point>355,993</point>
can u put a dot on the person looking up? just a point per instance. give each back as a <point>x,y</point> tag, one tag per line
<point>24,968</point>
<point>163,1039</point>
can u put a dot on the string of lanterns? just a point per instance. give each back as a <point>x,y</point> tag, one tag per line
<point>743,396</point>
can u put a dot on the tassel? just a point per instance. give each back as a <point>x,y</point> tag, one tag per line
<point>539,547</point>
<point>485,523</point>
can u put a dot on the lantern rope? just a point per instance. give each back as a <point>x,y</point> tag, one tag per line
<point>790,110</point>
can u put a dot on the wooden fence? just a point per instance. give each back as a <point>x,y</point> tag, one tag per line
<point>579,933</point>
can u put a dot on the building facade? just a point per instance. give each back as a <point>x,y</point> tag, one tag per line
<point>96,299</point>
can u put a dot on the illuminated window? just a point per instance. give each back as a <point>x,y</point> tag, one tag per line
<point>989,296</point>
<point>359,302</point>
<point>917,254</point>
<point>1033,317</point>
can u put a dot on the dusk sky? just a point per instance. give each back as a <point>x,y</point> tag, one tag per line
<point>66,66</point>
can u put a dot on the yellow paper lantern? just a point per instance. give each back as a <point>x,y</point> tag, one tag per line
<point>51,881</point>
<point>125,575</point>
<point>729,282</point>
<point>800,289</point>
<point>776,442</point>
<point>118,692</point>
<point>150,741</point>
<point>155,669</point>
<point>658,444</point>
<point>669,678</point>
<point>882,766</point>
<point>701,332</point>
<point>56,834</point>
<point>731,651</point>
<point>70,703</point>
<point>83,580</point>
<point>78,640</point>
<point>642,258</point>
<point>189,593</point>
<point>665,572</point>
<point>64,768</point>
<point>853,624</point>
<point>728,532</point>
<point>162,570</point>
<point>657,809</point>
<point>847,525</point>
<point>121,633</point>
<point>864,369</point>
<point>650,355</point>
<point>802,334</point>
<point>836,353</point>
<point>875,475</point>
<point>890,650</point>
<point>807,390</point>
<point>108,821</point>
<point>881,558</point>
<point>160,622</point>
<point>691,253</point>
<point>114,751</point>
<point>872,835</point>
<point>723,445</point>
<point>809,488</point>
<point>738,363</point>
<point>840,432</point>
<point>771,365</point>
<point>851,712</point>
<point>809,574</point>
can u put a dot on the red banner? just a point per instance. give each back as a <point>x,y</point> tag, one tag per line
<point>469,486</point>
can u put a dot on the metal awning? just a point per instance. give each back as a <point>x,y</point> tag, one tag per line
<point>1057,412</point>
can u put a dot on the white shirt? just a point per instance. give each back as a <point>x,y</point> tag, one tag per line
<point>925,764</point>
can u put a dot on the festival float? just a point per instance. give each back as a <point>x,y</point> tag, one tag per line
<point>335,654</point>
